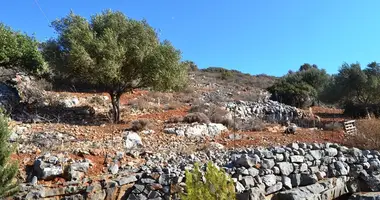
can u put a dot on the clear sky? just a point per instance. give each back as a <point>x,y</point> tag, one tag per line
<point>253,36</point>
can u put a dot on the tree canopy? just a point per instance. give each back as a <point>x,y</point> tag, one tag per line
<point>300,88</point>
<point>20,51</point>
<point>355,85</point>
<point>115,53</point>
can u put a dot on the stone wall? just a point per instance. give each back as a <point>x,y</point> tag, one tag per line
<point>268,110</point>
<point>295,171</point>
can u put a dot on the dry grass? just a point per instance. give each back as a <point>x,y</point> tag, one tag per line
<point>368,136</point>
<point>144,105</point>
<point>141,124</point>
<point>253,124</point>
<point>196,117</point>
<point>333,126</point>
<point>175,119</point>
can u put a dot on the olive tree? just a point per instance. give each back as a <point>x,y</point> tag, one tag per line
<point>115,53</point>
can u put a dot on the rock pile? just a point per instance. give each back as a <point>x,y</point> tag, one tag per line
<point>295,171</point>
<point>268,110</point>
<point>196,129</point>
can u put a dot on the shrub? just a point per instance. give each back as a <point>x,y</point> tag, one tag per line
<point>252,124</point>
<point>8,169</point>
<point>172,105</point>
<point>141,124</point>
<point>196,117</point>
<point>219,115</point>
<point>214,113</point>
<point>175,119</point>
<point>217,185</point>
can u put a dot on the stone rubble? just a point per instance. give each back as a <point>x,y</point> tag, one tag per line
<point>268,110</point>
<point>305,171</point>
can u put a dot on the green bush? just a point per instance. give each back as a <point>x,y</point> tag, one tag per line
<point>216,185</point>
<point>8,169</point>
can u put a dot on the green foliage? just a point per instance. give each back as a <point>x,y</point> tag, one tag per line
<point>20,51</point>
<point>115,53</point>
<point>226,74</point>
<point>300,88</point>
<point>354,85</point>
<point>8,169</point>
<point>217,185</point>
<point>191,65</point>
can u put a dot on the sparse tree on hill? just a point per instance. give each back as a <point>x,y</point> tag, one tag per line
<point>20,52</point>
<point>114,53</point>
<point>8,169</point>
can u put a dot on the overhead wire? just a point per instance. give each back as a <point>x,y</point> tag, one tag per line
<point>43,13</point>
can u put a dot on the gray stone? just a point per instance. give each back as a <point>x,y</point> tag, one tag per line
<point>285,167</point>
<point>276,170</point>
<point>293,146</point>
<point>253,171</point>
<point>267,163</point>
<point>296,159</point>
<point>247,161</point>
<point>248,181</point>
<point>132,140</point>
<point>147,180</point>
<point>274,188</point>
<point>239,187</point>
<point>303,167</point>
<point>317,154</point>
<point>286,182</point>
<point>279,157</point>
<point>153,194</point>
<point>138,188</point>
<point>339,166</point>
<point>164,179</point>
<point>126,180</point>
<point>314,169</point>
<point>279,150</point>
<point>356,152</point>
<point>269,180</point>
<point>331,152</point>
<point>34,181</point>
<point>46,171</point>
<point>114,169</point>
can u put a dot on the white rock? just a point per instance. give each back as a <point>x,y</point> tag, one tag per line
<point>132,140</point>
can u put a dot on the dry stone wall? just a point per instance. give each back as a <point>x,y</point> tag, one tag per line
<point>295,171</point>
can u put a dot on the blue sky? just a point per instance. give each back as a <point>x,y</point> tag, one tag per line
<point>253,36</point>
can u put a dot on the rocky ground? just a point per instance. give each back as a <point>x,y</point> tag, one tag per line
<point>67,136</point>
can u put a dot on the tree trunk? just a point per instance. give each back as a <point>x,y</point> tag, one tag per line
<point>115,99</point>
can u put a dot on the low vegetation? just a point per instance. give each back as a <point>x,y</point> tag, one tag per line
<point>216,184</point>
<point>8,169</point>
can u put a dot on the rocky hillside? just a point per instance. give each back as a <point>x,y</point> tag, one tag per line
<point>68,149</point>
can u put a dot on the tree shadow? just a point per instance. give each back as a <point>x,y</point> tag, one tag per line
<point>80,115</point>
